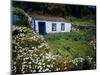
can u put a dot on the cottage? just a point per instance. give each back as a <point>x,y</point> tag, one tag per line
<point>44,25</point>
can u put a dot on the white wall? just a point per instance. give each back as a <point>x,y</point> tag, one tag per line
<point>58,26</point>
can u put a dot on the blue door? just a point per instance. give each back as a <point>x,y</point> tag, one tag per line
<point>42,28</point>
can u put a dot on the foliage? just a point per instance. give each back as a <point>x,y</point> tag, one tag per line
<point>84,21</point>
<point>23,22</point>
<point>73,44</point>
<point>31,54</point>
<point>68,51</point>
<point>57,9</point>
<point>84,36</point>
<point>24,18</point>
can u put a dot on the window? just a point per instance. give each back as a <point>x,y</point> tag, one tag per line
<point>15,19</point>
<point>53,26</point>
<point>62,27</point>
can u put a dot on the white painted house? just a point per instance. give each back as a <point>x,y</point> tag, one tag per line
<point>44,25</point>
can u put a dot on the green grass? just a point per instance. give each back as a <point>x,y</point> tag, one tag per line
<point>73,46</point>
<point>70,47</point>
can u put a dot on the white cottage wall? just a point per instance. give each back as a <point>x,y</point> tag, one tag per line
<point>68,27</point>
<point>36,25</point>
<point>58,27</point>
<point>49,26</point>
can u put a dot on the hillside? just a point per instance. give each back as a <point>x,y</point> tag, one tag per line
<point>31,53</point>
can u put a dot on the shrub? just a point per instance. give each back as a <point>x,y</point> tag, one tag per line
<point>31,53</point>
<point>23,22</point>
<point>23,17</point>
<point>89,63</point>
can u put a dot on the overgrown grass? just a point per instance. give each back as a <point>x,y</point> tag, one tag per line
<point>71,44</point>
<point>75,36</point>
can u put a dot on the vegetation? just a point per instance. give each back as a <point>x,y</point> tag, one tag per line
<point>73,44</point>
<point>54,9</point>
<point>75,50</point>
<point>84,21</point>
<point>24,17</point>
<point>32,54</point>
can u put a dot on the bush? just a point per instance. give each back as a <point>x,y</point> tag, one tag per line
<point>23,22</point>
<point>83,63</point>
<point>31,53</point>
<point>23,18</point>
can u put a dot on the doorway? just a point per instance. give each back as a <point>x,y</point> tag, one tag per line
<point>42,28</point>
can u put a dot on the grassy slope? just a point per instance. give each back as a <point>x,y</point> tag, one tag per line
<point>77,48</point>
<point>69,47</point>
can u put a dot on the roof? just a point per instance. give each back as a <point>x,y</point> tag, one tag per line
<point>49,18</point>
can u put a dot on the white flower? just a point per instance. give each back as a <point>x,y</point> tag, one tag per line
<point>26,58</point>
<point>46,70</point>
<point>34,70</point>
<point>65,68</point>
<point>48,66</point>
<point>39,67</point>
<point>89,58</point>
<point>48,55</point>
<point>39,63</point>
<point>30,62</point>
<point>23,72</point>
<point>14,62</point>
<point>30,66</point>
<point>51,65</point>
<point>43,64</point>
<point>42,60</point>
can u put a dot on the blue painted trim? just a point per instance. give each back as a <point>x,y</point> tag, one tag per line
<point>45,27</point>
<point>34,25</point>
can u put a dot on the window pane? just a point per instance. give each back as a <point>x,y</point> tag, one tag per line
<point>53,26</point>
<point>62,27</point>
